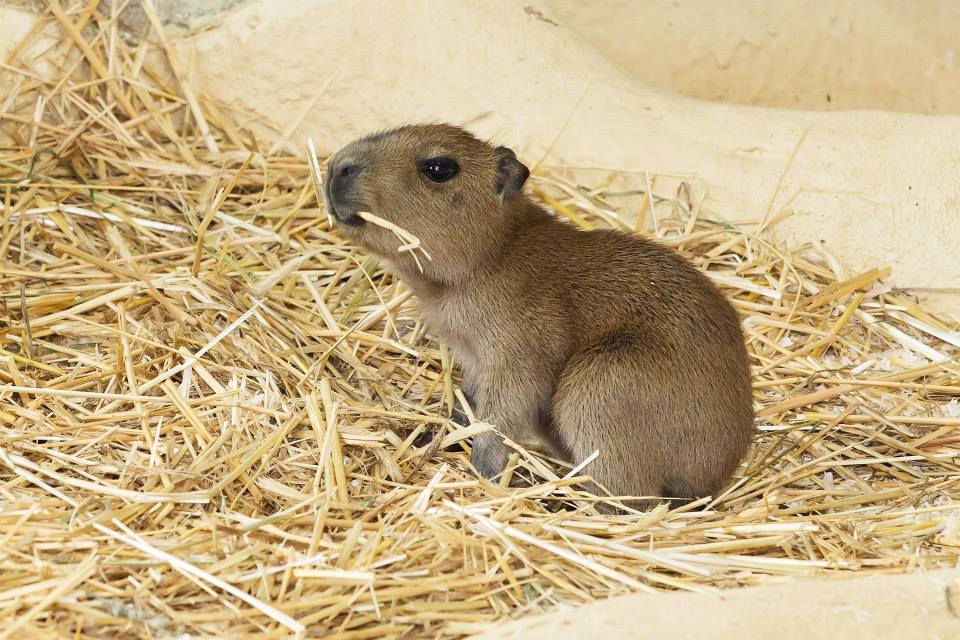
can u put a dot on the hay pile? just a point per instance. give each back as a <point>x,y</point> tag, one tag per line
<point>211,406</point>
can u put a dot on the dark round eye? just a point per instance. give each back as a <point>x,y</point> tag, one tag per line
<point>438,169</point>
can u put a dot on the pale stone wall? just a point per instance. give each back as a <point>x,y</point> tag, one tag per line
<point>921,606</point>
<point>899,55</point>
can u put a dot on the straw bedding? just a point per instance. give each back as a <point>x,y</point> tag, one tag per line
<point>212,407</point>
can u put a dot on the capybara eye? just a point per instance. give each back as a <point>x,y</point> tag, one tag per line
<point>438,169</point>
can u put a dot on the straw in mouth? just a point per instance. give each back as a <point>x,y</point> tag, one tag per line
<point>410,242</point>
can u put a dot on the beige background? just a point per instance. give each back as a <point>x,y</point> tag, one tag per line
<point>921,606</point>
<point>900,55</point>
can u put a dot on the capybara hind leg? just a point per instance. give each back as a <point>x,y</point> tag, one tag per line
<point>601,405</point>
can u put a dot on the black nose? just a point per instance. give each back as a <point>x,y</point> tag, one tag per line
<point>342,177</point>
<point>343,200</point>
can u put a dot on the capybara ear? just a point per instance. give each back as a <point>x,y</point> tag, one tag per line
<point>511,173</point>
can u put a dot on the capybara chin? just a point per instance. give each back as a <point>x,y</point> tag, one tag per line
<point>586,340</point>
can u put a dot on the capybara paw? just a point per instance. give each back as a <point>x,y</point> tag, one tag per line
<point>489,455</point>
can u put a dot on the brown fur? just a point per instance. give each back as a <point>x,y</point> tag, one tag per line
<point>593,340</point>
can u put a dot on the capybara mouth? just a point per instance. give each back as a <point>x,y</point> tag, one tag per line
<point>347,217</point>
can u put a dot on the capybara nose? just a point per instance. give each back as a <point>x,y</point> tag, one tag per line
<point>342,176</point>
<point>341,199</point>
